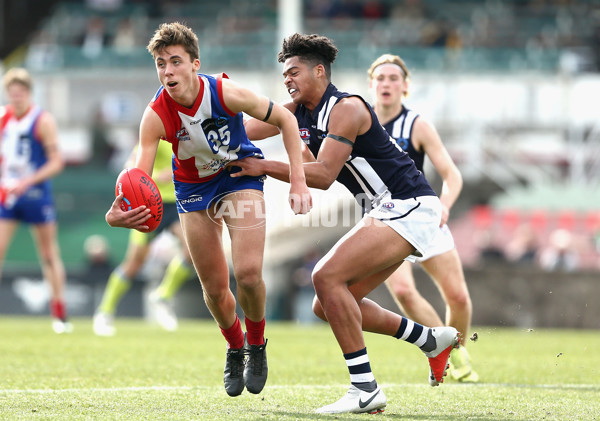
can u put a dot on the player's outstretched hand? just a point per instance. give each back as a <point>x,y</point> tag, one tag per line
<point>133,219</point>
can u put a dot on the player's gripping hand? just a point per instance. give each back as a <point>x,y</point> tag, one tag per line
<point>133,219</point>
<point>250,166</point>
<point>300,198</point>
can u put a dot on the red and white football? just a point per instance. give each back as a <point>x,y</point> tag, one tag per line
<point>140,189</point>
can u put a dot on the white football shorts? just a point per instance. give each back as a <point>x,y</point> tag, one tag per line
<point>417,220</point>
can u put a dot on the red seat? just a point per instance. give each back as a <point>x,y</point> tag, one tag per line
<point>482,216</point>
<point>538,220</point>
<point>566,220</point>
<point>511,219</point>
<point>592,221</point>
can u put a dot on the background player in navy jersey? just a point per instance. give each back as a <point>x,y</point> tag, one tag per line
<point>389,83</point>
<point>346,142</point>
<point>201,116</point>
<point>29,158</point>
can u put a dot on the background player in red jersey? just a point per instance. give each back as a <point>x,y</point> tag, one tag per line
<point>29,158</point>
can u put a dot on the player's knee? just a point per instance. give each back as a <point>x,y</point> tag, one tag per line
<point>318,310</point>
<point>47,259</point>
<point>402,291</point>
<point>458,298</point>
<point>248,278</point>
<point>322,279</point>
<point>215,294</point>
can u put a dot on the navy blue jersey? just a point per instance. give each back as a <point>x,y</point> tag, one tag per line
<point>400,128</point>
<point>376,165</point>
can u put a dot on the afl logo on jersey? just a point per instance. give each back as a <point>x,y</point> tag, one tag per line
<point>182,135</point>
<point>388,205</point>
<point>305,135</point>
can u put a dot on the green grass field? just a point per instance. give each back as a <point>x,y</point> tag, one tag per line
<point>144,373</point>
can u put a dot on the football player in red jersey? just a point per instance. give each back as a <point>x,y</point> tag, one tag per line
<point>29,158</point>
<point>201,116</point>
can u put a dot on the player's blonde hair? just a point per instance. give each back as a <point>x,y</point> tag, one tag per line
<point>390,59</point>
<point>174,33</point>
<point>17,75</point>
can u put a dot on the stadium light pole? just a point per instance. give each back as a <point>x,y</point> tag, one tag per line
<point>289,19</point>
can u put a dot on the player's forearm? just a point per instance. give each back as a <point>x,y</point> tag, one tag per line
<point>293,147</point>
<point>47,171</point>
<point>314,174</point>
<point>451,188</point>
<point>276,169</point>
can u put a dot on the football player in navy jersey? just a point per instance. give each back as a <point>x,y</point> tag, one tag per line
<point>389,83</point>
<point>201,116</point>
<point>29,158</point>
<point>344,141</point>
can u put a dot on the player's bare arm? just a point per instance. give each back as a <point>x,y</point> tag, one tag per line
<point>426,138</point>
<point>349,118</point>
<point>239,99</point>
<point>257,129</point>
<point>151,130</point>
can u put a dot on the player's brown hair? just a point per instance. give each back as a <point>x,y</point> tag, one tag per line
<point>312,49</point>
<point>17,75</point>
<point>174,33</point>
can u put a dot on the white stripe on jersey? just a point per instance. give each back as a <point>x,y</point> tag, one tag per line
<point>324,114</point>
<point>403,125</point>
<point>17,149</point>
<point>364,172</point>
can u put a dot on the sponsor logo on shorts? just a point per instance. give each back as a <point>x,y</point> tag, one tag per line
<point>192,199</point>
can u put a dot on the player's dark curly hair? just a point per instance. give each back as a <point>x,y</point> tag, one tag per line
<point>312,49</point>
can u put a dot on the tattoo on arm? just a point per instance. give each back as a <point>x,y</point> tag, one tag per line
<point>341,139</point>
<point>269,111</point>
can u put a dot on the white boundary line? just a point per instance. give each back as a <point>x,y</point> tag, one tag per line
<point>302,386</point>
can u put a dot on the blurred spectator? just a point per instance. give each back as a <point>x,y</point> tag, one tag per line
<point>411,10</point>
<point>43,52</point>
<point>374,9</point>
<point>560,253</point>
<point>522,248</point>
<point>489,251</point>
<point>102,148</point>
<point>98,262</point>
<point>125,40</point>
<point>104,5</point>
<point>95,38</point>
